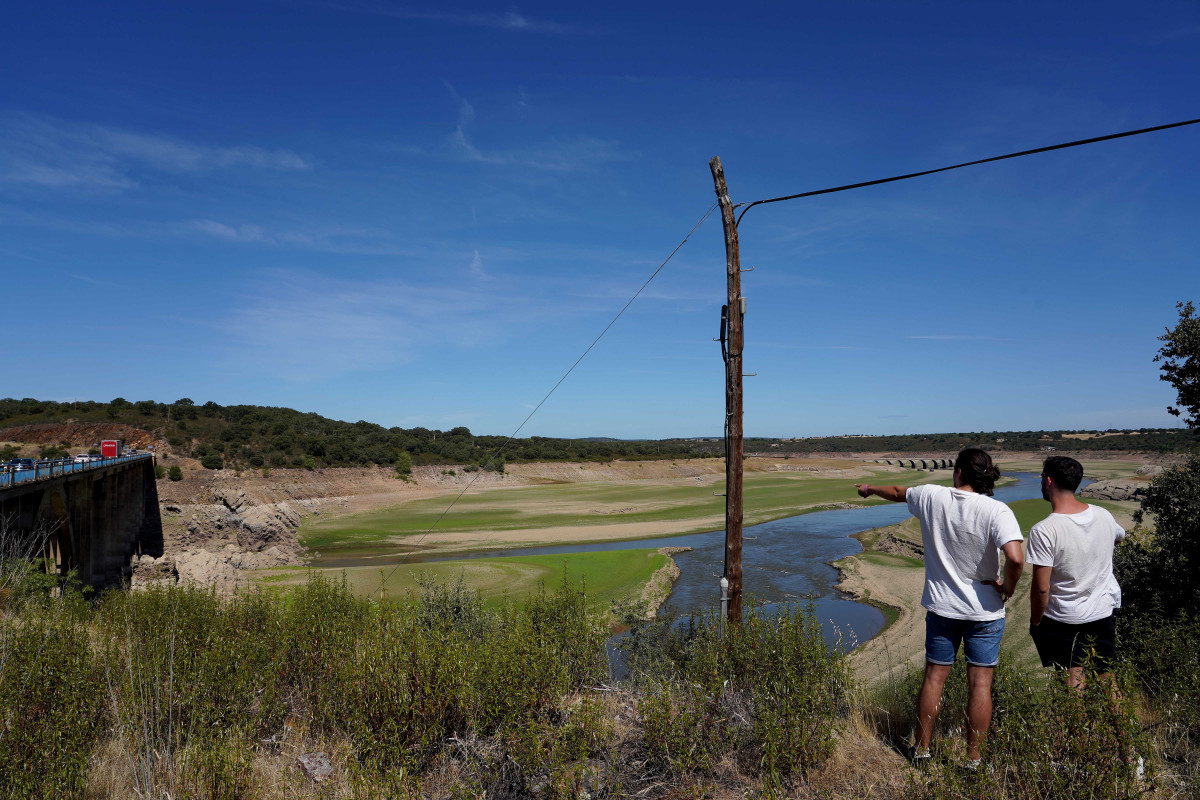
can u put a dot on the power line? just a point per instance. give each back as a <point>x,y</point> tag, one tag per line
<point>508,440</point>
<point>1093,140</point>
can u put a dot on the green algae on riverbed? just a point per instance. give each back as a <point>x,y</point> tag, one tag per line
<point>607,576</point>
<point>679,508</point>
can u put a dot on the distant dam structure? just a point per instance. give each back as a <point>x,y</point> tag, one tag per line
<point>93,518</point>
<point>918,463</point>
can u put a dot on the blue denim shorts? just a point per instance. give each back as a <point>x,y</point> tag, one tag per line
<point>980,640</point>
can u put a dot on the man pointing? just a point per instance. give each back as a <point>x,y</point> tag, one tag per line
<point>963,531</point>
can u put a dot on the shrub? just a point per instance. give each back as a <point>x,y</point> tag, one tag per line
<point>1166,661</point>
<point>404,464</point>
<point>160,471</point>
<point>445,668</point>
<point>1155,569</point>
<point>175,473</point>
<point>1047,740</point>
<point>213,461</point>
<point>767,692</point>
<point>187,685</point>
<point>51,690</point>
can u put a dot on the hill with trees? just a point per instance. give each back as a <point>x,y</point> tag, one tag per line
<point>264,436</point>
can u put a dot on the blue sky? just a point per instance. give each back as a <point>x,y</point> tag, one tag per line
<point>420,214</point>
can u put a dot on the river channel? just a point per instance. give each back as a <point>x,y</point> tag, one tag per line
<point>782,561</point>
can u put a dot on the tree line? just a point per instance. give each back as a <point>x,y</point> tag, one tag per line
<point>1153,440</point>
<point>265,436</point>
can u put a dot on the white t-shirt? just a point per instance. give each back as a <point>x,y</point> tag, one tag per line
<point>962,533</point>
<point>1079,549</point>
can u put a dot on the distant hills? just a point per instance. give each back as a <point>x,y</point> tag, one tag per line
<point>264,436</point>
<point>258,436</point>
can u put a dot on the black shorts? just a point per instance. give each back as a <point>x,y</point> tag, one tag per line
<point>1062,645</point>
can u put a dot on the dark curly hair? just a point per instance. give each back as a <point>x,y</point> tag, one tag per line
<point>977,470</point>
<point>1066,472</point>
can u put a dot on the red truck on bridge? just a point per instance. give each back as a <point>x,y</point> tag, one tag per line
<point>110,448</point>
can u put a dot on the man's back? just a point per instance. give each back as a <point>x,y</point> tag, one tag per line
<point>1078,548</point>
<point>962,533</point>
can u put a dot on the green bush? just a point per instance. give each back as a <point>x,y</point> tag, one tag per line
<point>404,464</point>
<point>768,692</point>
<point>52,708</point>
<point>322,623</point>
<point>1155,569</point>
<point>175,473</point>
<point>160,471</point>
<point>445,668</point>
<point>183,663</point>
<point>213,461</point>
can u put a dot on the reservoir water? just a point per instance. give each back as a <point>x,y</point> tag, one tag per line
<point>782,561</point>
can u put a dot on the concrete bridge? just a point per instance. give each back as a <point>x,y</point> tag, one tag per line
<point>95,516</point>
<point>919,463</point>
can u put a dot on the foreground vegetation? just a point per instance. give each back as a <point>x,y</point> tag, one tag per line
<point>176,692</point>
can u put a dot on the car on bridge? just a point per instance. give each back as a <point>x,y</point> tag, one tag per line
<point>21,463</point>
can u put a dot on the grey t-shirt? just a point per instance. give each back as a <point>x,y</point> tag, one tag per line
<point>1079,549</point>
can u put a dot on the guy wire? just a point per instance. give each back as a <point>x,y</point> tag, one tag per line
<point>513,435</point>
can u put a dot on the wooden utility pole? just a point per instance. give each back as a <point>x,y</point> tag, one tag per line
<point>733,397</point>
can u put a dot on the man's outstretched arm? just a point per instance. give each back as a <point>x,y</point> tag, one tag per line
<point>894,493</point>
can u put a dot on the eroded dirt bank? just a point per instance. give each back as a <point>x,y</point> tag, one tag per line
<point>217,524</point>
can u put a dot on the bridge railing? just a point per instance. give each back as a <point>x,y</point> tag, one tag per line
<point>53,469</point>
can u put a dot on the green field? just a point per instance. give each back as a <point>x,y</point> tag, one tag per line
<point>686,508</point>
<point>606,575</point>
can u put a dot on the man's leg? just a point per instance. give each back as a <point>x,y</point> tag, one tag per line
<point>979,707</point>
<point>981,646</point>
<point>929,702</point>
<point>1075,679</point>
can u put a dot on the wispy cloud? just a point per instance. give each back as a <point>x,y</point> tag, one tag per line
<point>512,20</point>
<point>304,327</point>
<point>230,233</point>
<point>49,153</point>
<point>792,346</point>
<point>954,337</point>
<point>562,155</point>
<point>1174,34</point>
<point>330,239</point>
<point>476,267</point>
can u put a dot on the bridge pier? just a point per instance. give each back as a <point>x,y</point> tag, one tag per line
<point>95,521</point>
